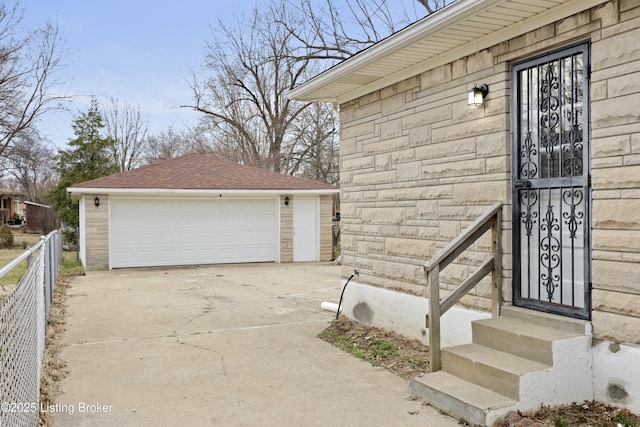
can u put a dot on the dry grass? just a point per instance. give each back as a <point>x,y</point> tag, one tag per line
<point>53,367</point>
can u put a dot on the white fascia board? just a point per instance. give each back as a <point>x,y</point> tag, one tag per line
<point>457,11</point>
<point>76,193</point>
<point>517,29</point>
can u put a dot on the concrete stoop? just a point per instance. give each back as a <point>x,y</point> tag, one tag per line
<point>518,361</point>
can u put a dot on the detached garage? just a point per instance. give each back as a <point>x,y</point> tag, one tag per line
<point>200,210</point>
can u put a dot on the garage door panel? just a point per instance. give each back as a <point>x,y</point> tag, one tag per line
<point>156,232</point>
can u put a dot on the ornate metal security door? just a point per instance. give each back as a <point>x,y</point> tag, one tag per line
<point>551,183</point>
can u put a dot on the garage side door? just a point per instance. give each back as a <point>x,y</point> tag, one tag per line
<point>162,232</point>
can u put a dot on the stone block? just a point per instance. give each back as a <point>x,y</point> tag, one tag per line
<point>405,155</point>
<point>409,171</point>
<point>427,209</point>
<point>493,144</point>
<point>599,90</point>
<point>613,146</point>
<point>574,21</point>
<point>393,104</point>
<point>368,111</point>
<point>392,269</point>
<point>446,149</point>
<point>615,302</point>
<point>481,193</point>
<point>498,164</point>
<point>479,61</point>
<point>612,275</point>
<point>616,240</point>
<point>619,177</point>
<point>611,51</point>
<point>615,327</point>
<point>608,13</point>
<point>385,146</point>
<point>358,163</point>
<point>623,85</point>
<point>454,169</point>
<point>616,111</point>
<point>383,215</point>
<point>472,128</point>
<point>435,77</point>
<point>383,161</point>
<point>374,178</point>
<point>348,131</point>
<point>412,248</point>
<point>618,214</point>
<point>391,129</point>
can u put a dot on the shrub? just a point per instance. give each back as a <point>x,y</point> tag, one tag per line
<point>6,238</point>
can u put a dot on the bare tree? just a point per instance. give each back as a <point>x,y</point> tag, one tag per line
<point>164,145</point>
<point>125,125</point>
<point>335,31</point>
<point>251,69</point>
<point>29,161</point>
<point>28,58</point>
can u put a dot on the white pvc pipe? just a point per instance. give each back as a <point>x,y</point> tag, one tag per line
<point>329,306</point>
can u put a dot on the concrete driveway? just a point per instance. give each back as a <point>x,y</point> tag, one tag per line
<point>229,345</point>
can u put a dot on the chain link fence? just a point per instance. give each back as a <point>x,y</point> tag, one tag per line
<point>23,319</point>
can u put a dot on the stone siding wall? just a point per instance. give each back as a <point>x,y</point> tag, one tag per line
<point>326,224</point>
<point>286,229</point>
<point>419,164</point>
<point>96,232</point>
<point>615,119</point>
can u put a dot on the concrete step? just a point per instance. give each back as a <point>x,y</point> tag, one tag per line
<point>489,368</point>
<point>461,399</point>
<point>567,324</point>
<point>519,337</point>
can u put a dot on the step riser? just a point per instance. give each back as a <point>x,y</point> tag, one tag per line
<point>539,318</point>
<point>448,404</point>
<point>513,343</point>
<point>487,376</point>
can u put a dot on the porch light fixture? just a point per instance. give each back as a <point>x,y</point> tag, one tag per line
<point>477,94</point>
<point>96,202</point>
<point>286,201</point>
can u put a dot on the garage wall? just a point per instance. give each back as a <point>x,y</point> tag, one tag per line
<point>326,224</point>
<point>286,229</point>
<point>96,232</point>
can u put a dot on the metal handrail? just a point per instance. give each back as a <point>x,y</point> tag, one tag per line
<point>25,255</point>
<point>489,220</point>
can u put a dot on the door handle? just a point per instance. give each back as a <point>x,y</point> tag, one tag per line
<point>521,183</point>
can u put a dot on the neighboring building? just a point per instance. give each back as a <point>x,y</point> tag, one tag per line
<point>39,218</point>
<point>556,142</point>
<point>9,202</point>
<point>200,210</point>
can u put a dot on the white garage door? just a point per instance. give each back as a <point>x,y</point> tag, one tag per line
<point>171,231</point>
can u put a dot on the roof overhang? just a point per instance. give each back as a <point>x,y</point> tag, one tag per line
<point>77,193</point>
<point>458,30</point>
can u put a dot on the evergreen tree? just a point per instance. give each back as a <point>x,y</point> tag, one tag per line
<point>87,157</point>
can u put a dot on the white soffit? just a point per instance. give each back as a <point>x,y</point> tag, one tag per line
<point>462,28</point>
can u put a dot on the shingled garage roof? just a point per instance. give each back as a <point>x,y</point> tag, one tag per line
<point>200,172</point>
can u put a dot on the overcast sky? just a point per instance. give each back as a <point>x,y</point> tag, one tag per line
<point>140,51</point>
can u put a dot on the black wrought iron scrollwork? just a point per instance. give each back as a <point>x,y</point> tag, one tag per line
<point>572,165</point>
<point>573,217</point>
<point>528,199</point>
<point>528,152</point>
<point>550,252</point>
<point>549,101</point>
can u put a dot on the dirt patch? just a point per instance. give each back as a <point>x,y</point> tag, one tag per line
<point>408,358</point>
<point>54,369</point>
<point>403,356</point>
